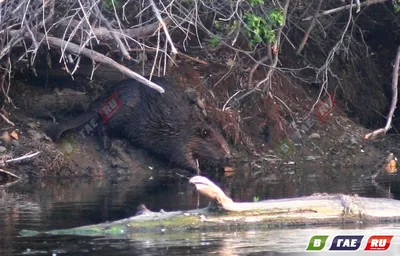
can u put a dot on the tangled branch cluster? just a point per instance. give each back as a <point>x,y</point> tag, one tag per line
<point>23,16</point>
<point>88,22</point>
<point>75,27</point>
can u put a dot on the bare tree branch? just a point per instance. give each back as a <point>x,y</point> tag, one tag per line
<point>275,59</point>
<point>395,81</point>
<point>346,7</point>
<point>10,173</point>
<point>104,33</point>
<point>95,56</point>
<point>307,34</point>
<point>157,12</point>
<point>117,39</point>
<point>254,68</point>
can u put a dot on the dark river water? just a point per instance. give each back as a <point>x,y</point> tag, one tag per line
<point>61,203</point>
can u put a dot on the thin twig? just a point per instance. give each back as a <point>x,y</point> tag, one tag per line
<point>26,156</point>
<point>10,173</point>
<point>307,34</point>
<point>230,98</point>
<point>193,58</point>
<point>104,34</point>
<point>254,68</point>
<point>6,119</point>
<point>275,60</point>
<point>157,13</point>
<point>10,183</point>
<point>395,80</point>
<point>325,68</point>
<point>110,29</point>
<point>346,7</point>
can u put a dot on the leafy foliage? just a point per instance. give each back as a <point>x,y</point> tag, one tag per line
<point>260,29</point>
<point>396,6</point>
<point>259,26</point>
<point>214,41</point>
<point>256,2</point>
<point>257,29</point>
<point>276,17</point>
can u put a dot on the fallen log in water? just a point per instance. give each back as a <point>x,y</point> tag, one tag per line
<point>223,213</point>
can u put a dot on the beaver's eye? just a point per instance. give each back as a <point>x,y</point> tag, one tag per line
<point>204,133</point>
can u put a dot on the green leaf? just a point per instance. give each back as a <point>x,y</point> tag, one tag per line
<point>256,2</point>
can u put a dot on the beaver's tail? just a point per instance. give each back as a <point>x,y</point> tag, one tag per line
<point>54,131</point>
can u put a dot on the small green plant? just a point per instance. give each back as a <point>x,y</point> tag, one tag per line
<point>214,41</point>
<point>257,29</point>
<point>260,29</point>
<point>276,17</point>
<point>221,28</point>
<point>396,6</point>
<point>256,2</point>
<point>256,199</point>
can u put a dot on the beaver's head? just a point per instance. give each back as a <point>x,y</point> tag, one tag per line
<point>206,142</point>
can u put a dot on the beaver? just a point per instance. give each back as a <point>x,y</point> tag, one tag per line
<point>169,125</point>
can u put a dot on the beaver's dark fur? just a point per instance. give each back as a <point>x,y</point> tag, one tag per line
<point>165,124</point>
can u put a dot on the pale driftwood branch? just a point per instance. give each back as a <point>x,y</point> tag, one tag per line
<point>10,173</point>
<point>307,34</point>
<point>157,13</point>
<point>29,155</point>
<point>97,57</point>
<point>224,213</point>
<point>346,7</point>
<point>104,33</point>
<point>395,80</point>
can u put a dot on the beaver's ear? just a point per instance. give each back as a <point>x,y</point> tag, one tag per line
<point>193,98</point>
<point>191,95</point>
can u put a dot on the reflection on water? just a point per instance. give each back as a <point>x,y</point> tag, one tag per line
<point>58,204</point>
